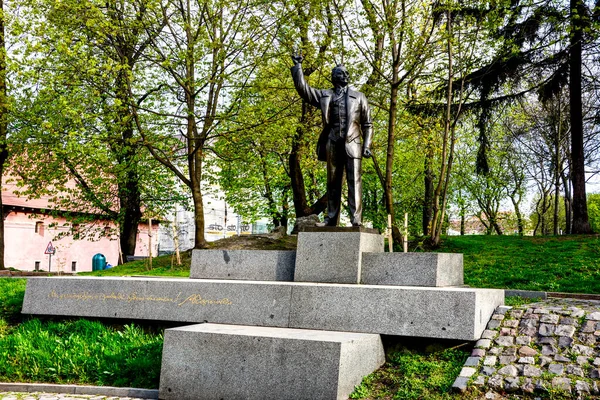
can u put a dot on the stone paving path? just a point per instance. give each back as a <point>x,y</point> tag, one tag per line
<point>57,396</point>
<point>550,345</point>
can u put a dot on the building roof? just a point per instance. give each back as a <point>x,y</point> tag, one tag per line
<point>11,198</point>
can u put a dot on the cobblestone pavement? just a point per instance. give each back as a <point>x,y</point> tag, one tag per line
<point>57,396</point>
<point>549,345</point>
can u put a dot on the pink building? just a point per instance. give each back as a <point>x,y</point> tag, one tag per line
<point>28,230</point>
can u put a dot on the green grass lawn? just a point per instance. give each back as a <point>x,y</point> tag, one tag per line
<point>74,350</point>
<point>415,371</point>
<point>553,263</point>
<point>161,266</point>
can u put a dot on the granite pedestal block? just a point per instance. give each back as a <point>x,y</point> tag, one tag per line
<point>253,265</point>
<point>222,362</point>
<point>412,269</point>
<point>177,300</point>
<point>444,313</point>
<point>333,257</point>
<point>451,313</point>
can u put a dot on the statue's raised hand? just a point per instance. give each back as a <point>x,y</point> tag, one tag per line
<point>297,58</point>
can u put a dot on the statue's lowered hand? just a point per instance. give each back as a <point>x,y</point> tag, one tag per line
<point>367,153</point>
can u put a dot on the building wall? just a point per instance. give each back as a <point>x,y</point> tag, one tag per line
<point>24,246</point>
<point>216,225</point>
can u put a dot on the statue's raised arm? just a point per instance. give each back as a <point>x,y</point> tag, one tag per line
<point>309,94</point>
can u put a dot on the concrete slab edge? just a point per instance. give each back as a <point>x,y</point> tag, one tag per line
<point>109,391</point>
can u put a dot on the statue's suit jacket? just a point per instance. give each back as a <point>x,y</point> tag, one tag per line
<point>358,116</point>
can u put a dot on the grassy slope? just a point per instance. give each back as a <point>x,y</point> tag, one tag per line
<point>557,264</point>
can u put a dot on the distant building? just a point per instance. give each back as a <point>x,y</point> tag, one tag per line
<point>475,225</point>
<point>220,221</point>
<point>29,228</point>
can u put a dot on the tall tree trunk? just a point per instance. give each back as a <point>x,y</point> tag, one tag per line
<point>568,202</point>
<point>131,214</point>
<point>428,198</point>
<point>389,165</point>
<point>516,205</point>
<point>496,226</point>
<point>556,181</point>
<point>128,189</point>
<point>195,159</point>
<point>199,241</point>
<point>438,201</point>
<point>3,126</point>
<point>580,214</point>
<point>296,177</point>
<point>195,156</point>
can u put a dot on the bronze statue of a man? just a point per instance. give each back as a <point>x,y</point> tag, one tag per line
<point>345,139</point>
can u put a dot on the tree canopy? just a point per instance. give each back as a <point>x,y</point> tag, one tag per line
<point>481,108</point>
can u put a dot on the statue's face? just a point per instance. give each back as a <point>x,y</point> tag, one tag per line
<point>339,76</point>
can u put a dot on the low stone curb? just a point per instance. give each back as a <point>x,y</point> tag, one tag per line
<point>532,294</point>
<point>109,391</point>
<point>29,274</point>
<point>552,344</point>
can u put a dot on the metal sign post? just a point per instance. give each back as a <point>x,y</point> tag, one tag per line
<point>50,250</point>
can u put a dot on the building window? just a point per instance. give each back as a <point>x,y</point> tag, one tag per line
<point>37,265</point>
<point>73,266</point>
<point>39,228</point>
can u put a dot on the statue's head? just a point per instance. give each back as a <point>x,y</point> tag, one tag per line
<point>339,75</point>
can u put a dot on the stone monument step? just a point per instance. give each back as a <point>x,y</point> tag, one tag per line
<point>412,269</point>
<point>450,313</point>
<point>396,269</point>
<point>212,361</point>
<point>253,265</point>
<point>334,257</point>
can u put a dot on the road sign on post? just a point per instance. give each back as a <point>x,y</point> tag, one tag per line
<point>50,250</point>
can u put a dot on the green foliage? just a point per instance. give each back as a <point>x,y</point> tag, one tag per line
<point>82,352</point>
<point>413,374</point>
<point>550,263</point>
<point>593,204</point>
<point>12,292</point>
<point>515,301</point>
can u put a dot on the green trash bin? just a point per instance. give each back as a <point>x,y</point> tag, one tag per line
<point>98,262</point>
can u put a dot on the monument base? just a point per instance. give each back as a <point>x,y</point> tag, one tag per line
<point>334,255</point>
<point>252,265</point>
<point>445,313</point>
<point>221,362</point>
<point>412,269</point>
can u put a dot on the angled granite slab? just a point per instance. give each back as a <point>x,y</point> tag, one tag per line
<point>258,363</point>
<point>183,300</point>
<point>452,313</point>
